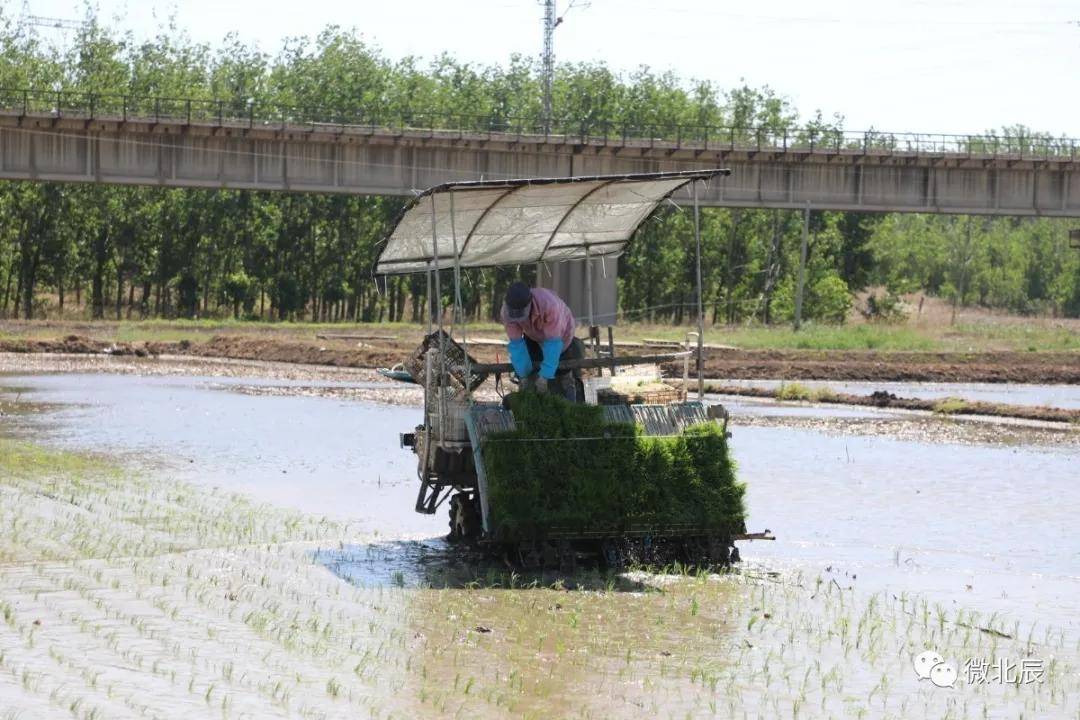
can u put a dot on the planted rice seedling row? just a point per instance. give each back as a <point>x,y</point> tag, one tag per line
<point>262,628</point>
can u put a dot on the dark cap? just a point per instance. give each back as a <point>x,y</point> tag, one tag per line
<point>518,297</point>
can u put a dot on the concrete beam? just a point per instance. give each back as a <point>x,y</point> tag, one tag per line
<point>364,161</point>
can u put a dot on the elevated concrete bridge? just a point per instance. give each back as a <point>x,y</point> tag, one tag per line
<point>840,171</point>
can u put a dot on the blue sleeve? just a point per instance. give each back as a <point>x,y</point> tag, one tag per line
<point>519,357</point>
<point>552,350</point>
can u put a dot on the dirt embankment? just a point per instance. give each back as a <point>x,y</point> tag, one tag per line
<point>994,367</point>
<point>881,399</point>
<point>220,346</point>
<point>364,355</point>
<point>74,344</point>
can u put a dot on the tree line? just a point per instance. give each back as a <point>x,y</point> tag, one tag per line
<point>125,252</point>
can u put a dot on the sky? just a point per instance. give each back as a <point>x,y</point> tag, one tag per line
<point>944,66</point>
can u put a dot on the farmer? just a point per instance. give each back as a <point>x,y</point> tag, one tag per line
<point>540,328</point>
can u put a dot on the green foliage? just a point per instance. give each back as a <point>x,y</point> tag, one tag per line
<point>188,288</point>
<point>800,392</point>
<point>830,300</point>
<point>565,467</point>
<point>286,293</point>
<point>826,300</point>
<point>25,460</point>
<point>851,337</point>
<point>310,256</point>
<point>886,308</point>
<point>237,286</point>
<point>950,406</point>
<point>1019,264</point>
<point>794,391</point>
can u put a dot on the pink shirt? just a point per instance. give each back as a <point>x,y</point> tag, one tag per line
<point>549,317</point>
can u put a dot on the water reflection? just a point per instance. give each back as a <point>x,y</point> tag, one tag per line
<point>435,563</point>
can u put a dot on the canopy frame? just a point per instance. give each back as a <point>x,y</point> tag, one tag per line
<point>433,266</point>
<point>425,261</point>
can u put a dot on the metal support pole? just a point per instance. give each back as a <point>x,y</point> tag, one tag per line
<point>802,267</point>
<point>691,339</point>
<point>427,418</point>
<point>439,323</point>
<point>611,348</point>
<point>429,301</point>
<point>547,61</point>
<point>459,309</point>
<point>700,301</point>
<point>593,335</point>
<point>457,267</point>
<point>588,285</point>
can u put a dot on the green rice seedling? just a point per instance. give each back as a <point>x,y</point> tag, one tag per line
<point>794,391</point>
<point>566,467</point>
<point>950,406</point>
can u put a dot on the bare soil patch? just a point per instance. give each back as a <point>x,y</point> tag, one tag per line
<point>951,406</point>
<point>786,364</point>
<point>993,367</point>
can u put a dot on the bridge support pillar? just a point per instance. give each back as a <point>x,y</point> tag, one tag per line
<point>802,266</point>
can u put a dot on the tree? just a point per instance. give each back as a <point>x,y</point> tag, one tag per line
<point>163,252</point>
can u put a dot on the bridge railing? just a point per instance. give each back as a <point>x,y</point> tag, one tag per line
<point>255,113</point>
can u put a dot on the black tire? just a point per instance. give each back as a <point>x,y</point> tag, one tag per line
<point>464,518</point>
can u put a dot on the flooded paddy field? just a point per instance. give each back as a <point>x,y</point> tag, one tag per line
<point>238,540</point>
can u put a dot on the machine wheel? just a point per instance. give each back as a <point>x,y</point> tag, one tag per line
<point>718,551</point>
<point>530,556</point>
<point>611,555</point>
<point>464,518</point>
<point>567,558</point>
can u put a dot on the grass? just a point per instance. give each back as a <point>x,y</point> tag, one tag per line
<point>971,337</point>
<point>927,335</point>
<point>192,330</point>
<point>950,406</point>
<point>798,391</point>
<point>24,460</point>
<point>817,337</point>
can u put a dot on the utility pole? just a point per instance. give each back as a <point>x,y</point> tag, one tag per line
<point>48,22</point>
<point>552,20</point>
<point>547,60</point>
<point>64,25</point>
<point>25,18</point>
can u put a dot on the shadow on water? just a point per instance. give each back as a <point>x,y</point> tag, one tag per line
<point>436,563</point>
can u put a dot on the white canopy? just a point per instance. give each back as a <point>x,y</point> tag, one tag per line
<point>514,222</point>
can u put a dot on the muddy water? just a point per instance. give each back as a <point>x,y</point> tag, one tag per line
<point>317,454</point>
<point>981,526</point>
<point>986,527</point>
